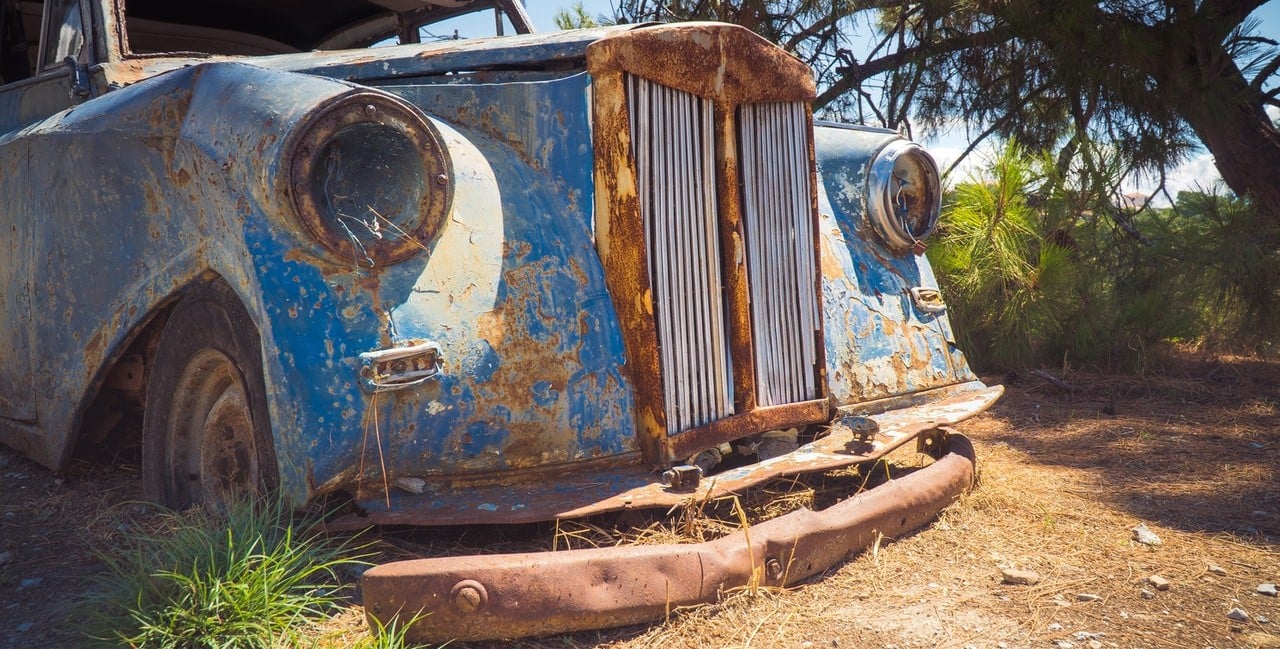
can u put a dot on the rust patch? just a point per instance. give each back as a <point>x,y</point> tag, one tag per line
<point>618,219</point>
<point>711,60</point>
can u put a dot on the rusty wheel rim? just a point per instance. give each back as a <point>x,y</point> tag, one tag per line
<point>212,433</point>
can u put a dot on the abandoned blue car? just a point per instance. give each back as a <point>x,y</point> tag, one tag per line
<point>493,280</point>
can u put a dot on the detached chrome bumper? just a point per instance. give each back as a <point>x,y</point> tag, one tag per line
<point>512,595</point>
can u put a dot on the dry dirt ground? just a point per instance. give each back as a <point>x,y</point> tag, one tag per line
<point>1191,451</point>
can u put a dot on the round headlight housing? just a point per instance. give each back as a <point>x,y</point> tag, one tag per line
<point>370,178</point>
<point>904,195</point>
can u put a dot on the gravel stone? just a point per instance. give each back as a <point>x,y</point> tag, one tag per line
<point>6,558</point>
<point>1088,597</point>
<point>1020,577</point>
<point>1238,615</point>
<point>1267,589</point>
<point>1217,570</point>
<point>1158,582</point>
<point>1146,594</point>
<point>1145,536</point>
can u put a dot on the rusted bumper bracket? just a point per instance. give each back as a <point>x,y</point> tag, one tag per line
<point>511,595</point>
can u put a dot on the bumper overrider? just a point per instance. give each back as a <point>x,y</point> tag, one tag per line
<point>483,597</point>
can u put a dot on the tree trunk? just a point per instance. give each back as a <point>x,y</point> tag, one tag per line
<point>1245,146</point>
<point>1228,115</point>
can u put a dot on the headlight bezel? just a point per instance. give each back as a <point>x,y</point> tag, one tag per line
<point>324,127</point>
<point>901,232</point>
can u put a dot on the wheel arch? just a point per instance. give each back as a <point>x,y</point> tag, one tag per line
<point>120,379</point>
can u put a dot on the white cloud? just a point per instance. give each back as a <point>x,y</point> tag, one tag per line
<point>1196,174</point>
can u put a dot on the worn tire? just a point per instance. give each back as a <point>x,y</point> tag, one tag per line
<point>206,433</point>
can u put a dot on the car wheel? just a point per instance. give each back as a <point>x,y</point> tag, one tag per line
<point>206,433</point>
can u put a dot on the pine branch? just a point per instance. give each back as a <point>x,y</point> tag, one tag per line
<point>857,74</point>
<point>1265,73</point>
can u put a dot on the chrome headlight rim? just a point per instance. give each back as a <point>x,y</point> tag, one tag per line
<point>364,108</point>
<point>898,230</point>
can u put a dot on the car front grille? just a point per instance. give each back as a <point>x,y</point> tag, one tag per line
<point>674,147</point>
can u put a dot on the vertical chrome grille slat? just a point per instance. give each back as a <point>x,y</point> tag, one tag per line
<point>673,144</point>
<point>780,263</point>
<point>804,244</point>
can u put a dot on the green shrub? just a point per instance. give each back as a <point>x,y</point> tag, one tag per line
<point>1043,265</point>
<point>1011,288</point>
<point>246,578</point>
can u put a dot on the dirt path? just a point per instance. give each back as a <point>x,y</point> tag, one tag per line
<point>1193,454</point>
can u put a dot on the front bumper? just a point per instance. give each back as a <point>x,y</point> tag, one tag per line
<point>587,488</point>
<point>513,595</point>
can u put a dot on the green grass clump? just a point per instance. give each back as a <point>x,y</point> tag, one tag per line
<point>249,577</point>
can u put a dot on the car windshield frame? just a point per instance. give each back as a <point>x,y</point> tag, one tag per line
<point>371,23</point>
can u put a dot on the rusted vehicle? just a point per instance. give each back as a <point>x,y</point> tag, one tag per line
<point>495,280</point>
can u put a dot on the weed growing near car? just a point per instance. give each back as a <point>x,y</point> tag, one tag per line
<point>250,577</point>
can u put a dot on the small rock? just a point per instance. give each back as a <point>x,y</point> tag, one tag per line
<point>24,627</point>
<point>1262,619</point>
<point>1054,626</point>
<point>1095,644</point>
<point>1146,594</point>
<point>6,558</point>
<point>1020,577</point>
<point>30,583</point>
<point>1088,597</point>
<point>1160,583</point>
<point>1217,570</point>
<point>1002,645</point>
<point>411,485</point>
<point>1124,615</point>
<point>806,644</point>
<point>1063,644</point>
<point>1259,515</point>
<point>1238,615</point>
<point>1267,589</point>
<point>1145,536</point>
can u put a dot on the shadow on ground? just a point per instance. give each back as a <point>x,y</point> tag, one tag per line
<point>1196,448</point>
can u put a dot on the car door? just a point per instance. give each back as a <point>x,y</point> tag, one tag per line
<point>51,37</point>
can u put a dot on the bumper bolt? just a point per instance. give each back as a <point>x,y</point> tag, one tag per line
<point>773,568</point>
<point>469,596</point>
